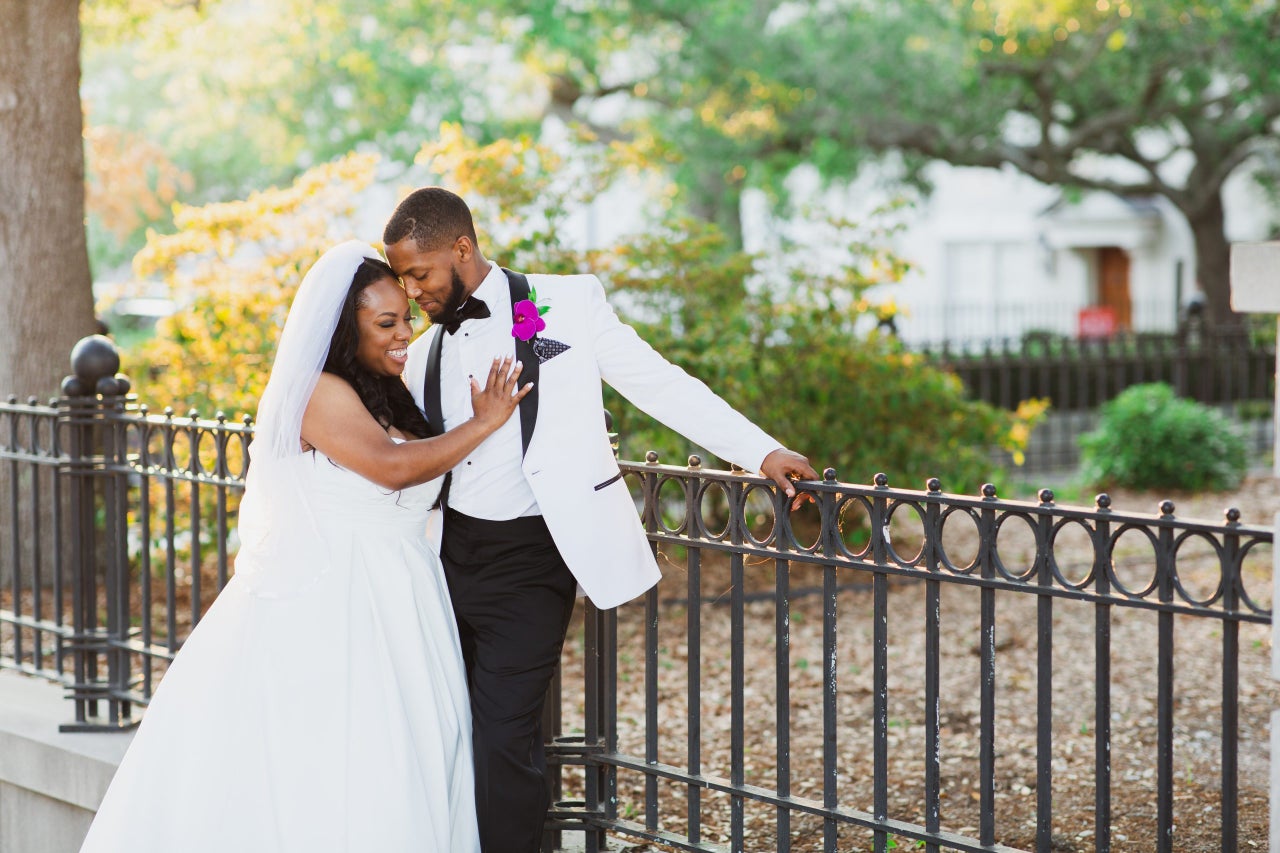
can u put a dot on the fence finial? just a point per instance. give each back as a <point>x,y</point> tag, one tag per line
<point>94,365</point>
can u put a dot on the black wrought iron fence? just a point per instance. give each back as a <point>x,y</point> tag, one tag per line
<point>118,524</point>
<point>1232,369</point>
<point>40,485</point>
<point>1210,365</point>
<point>934,551</point>
<point>864,672</point>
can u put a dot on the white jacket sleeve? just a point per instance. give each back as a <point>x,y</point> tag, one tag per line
<point>669,394</point>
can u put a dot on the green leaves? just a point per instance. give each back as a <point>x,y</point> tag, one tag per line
<point>1149,438</point>
<point>791,351</point>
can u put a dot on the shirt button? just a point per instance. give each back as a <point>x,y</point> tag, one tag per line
<point>468,461</point>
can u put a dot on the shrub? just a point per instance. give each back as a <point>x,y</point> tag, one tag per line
<point>1149,438</point>
<point>787,352</point>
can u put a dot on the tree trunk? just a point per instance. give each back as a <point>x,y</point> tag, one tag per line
<point>714,200</point>
<point>46,297</point>
<point>1213,259</point>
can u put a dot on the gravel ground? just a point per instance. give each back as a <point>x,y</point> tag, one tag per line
<point>1197,714</point>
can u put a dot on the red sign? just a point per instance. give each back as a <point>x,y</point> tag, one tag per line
<point>1096,321</point>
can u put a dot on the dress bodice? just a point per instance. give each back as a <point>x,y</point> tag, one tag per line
<point>305,515</point>
<point>343,494</point>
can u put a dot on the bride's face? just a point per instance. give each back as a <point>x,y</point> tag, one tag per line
<point>385,326</point>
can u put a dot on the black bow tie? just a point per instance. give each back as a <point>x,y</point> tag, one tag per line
<point>472,309</point>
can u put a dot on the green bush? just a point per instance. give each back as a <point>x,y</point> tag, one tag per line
<point>1149,438</point>
<point>788,353</point>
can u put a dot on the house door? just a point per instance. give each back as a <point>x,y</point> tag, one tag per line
<point>1113,285</point>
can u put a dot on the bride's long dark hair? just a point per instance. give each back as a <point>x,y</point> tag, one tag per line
<point>386,397</point>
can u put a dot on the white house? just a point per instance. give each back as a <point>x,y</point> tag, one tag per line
<point>996,254</point>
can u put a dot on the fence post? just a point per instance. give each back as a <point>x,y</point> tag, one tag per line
<point>90,395</point>
<point>1253,289</point>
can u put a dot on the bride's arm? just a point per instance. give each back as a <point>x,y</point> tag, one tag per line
<point>338,425</point>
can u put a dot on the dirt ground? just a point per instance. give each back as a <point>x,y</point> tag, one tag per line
<point>1197,712</point>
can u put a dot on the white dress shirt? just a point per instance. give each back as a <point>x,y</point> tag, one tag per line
<point>489,482</point>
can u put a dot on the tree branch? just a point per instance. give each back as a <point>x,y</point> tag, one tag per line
<point>927,140</point>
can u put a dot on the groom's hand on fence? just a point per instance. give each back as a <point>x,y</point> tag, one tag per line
<point>782,466</point>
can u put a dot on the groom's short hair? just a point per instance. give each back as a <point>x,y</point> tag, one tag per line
<point>434,217</point>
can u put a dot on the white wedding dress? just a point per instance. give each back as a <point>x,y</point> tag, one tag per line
<point>320,705</point>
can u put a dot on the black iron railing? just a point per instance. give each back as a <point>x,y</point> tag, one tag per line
<point>1215,366</point>
<point>1074,563</point>
<point>1232,369</point>
<point>718,712</point>
<point>117,531</point>
<point>40,492</point>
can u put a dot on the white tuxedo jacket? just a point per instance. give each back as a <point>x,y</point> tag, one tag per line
<point>568,462</point>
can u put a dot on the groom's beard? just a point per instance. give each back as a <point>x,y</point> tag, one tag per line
<point>457,296</point>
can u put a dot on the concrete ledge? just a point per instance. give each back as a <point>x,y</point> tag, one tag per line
<point>50,783</point>
<point>73,768</point>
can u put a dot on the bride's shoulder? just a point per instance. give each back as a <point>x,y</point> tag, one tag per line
<point>333,393</point>
<point>329,383</point>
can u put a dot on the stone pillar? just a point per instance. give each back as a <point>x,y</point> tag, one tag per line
<point>1255,288</point>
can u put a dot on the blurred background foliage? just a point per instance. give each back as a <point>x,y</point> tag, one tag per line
<point>778,340</point>
<point>534,108</point>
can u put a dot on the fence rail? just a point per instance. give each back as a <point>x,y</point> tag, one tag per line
<point>1212,366</point>
<point>1232,370</point>
<point>117,534</point>
<point>37,505</point>
<point>1104,561</point>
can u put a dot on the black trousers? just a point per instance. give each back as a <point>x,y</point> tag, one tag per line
<point>513,598</point>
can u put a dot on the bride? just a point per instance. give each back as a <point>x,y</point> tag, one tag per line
<point>321,704</point>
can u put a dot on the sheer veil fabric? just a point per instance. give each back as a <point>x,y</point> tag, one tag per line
<point>278,520</point>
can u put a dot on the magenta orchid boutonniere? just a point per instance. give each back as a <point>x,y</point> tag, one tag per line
<point>527,317</point>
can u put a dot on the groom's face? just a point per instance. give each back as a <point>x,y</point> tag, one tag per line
<point>431,279</point>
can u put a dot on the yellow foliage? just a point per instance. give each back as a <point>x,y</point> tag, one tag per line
<point>512,174</point>
<point>521,191</point>
<point>1037,24</point>
<point>233,268</point>
<point>1025,418</point>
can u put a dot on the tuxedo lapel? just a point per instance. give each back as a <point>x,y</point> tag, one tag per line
<point>519,286</point>
<point>431,386</point>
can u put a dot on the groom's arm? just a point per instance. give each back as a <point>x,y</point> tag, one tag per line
<point>683,403</point>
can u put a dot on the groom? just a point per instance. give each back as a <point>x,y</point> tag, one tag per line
<point>539,508</point>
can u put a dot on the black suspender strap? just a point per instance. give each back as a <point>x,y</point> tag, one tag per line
<point>519,286</point>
